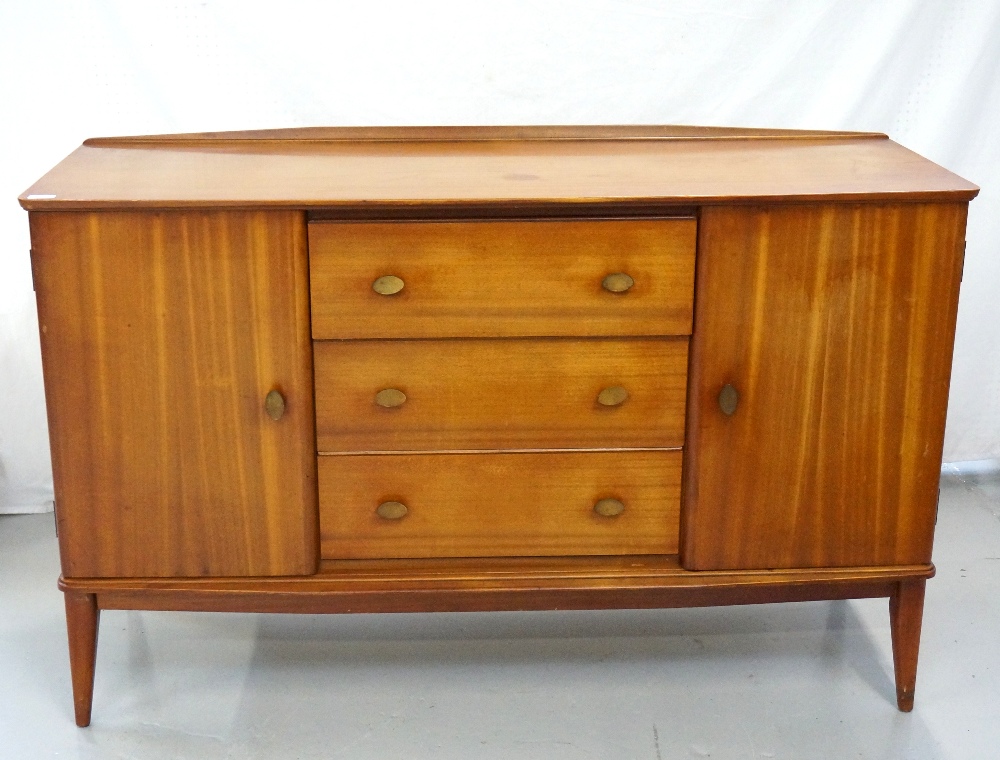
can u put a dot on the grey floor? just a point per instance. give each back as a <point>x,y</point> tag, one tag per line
<point>810,680</point>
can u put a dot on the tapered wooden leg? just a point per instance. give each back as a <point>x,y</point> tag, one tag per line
<point>906,611</point>
<point>82,621</point>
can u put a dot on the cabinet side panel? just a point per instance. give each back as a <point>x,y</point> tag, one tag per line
<point>835,325</point>
<point>161,335</point>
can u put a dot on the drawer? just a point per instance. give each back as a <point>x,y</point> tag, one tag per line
<point>501,278</point>
<point>543,393</point>
<point>503,504</point>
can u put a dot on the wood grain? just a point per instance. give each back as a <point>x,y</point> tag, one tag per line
<point>161,334</point>
<point>835,324</point>
<point>491,133</point>
<point>83,619</point>
<point>509,504</point>
<point>906,612</point>
<point>499,394</point>
<point>496,583</point>
<point>661,569</point>
<point>506,597</point>
<point>828,269</point>
<point>501,278</point>
<point>328,174</point>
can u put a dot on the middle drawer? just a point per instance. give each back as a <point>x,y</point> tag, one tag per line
<point>559,393</point>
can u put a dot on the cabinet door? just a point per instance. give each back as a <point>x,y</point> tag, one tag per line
<point>162,333</point>
<point>834,326</point>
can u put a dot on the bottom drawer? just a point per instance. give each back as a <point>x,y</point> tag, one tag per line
<point>501,504</point>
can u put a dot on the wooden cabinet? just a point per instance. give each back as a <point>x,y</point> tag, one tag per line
<point>482,369</point>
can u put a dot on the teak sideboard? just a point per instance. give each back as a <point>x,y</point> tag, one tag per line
<point>420,369</point>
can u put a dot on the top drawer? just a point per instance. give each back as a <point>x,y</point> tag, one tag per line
<point>501,278</point>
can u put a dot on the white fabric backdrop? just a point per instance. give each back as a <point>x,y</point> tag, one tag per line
<point>927,72</point>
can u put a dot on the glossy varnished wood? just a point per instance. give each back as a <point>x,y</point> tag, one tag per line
<point>510,504</point>
<point>499,583</point>
<point>309,171</point>
<point>835,325</point>
<point>161,335</point>
<point>534,133</point>
<point>481,584</point>
<point>173,296</point>
<point>906,611</point>
<point>82,623</point>
<point>501,278</point>
<point>500,394</point>
<point>491,598</point>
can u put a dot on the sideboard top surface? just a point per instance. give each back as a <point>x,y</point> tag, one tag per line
<point>398,166</point>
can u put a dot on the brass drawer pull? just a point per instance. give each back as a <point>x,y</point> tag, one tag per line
<point>619,282</point>
<point>729,399</point>
<point>392,510</point>
<point>388,285</point>
<point>609,507</point>
<point>389,398</point>
<point>613,396</point>
<point>274,405</point>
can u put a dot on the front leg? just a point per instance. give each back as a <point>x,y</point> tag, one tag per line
<point>906,609</point>
<point>82,620</point>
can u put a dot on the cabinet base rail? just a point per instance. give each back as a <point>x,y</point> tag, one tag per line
<point>506,584</point>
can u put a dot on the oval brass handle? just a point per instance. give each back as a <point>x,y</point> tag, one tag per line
<point>274,405</point>
<point>388,285</point>
<point>729,399</point>
<point>609,507</point>
<point>387,398</point>
<point>392,510</point>
<point>613,396</point>
<point>619,282</point>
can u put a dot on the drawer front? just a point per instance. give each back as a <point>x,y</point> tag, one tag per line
<point>501,278</point>
<point>500,394</point>
<point>488,505</point>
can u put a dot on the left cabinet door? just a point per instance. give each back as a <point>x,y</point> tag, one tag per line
<point>162,333</point>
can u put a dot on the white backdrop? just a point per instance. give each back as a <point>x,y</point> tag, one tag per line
<point>927,72</point>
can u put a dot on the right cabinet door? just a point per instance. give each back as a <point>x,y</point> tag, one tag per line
<point>820,364</point>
